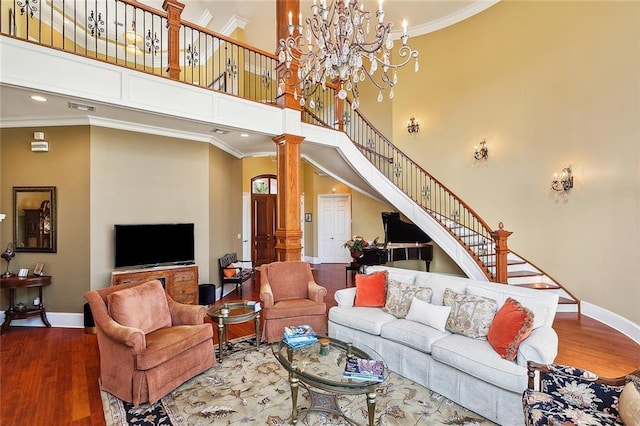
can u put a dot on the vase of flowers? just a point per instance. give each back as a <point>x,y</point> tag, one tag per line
<point>356,246</point>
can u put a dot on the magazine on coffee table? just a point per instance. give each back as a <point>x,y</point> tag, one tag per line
<point>364,369</point>
<point>300,335</point>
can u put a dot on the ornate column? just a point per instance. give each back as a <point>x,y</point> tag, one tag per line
<point>288,232</point>
<point>174,10</point>
<point>500,238</point>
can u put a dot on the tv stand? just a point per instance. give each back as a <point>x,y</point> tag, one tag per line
<point>179,281</point>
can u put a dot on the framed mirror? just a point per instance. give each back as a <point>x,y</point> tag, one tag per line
<point>35,221</point>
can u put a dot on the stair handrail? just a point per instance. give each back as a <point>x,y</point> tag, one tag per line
<point>435,198</point>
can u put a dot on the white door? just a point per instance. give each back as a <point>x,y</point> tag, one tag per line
<point>334,228</point>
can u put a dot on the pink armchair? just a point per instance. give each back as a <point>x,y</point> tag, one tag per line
<point>290,296</point>
<point>149,344</point>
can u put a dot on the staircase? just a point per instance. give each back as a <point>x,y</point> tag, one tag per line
<point>429,204</point>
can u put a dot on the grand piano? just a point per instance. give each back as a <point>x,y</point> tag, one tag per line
<point>402,241</point>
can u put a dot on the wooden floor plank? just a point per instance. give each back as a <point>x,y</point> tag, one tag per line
<point>50,375</point>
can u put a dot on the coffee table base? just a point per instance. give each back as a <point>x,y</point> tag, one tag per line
<point>328,403</point>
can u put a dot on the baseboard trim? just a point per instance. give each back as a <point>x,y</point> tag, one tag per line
<point>56,319</point>
<point>613,320</point>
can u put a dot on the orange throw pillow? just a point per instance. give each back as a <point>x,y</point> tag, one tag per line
<point>371,289</point>
<point>511,325</point>
<point>230,272</point>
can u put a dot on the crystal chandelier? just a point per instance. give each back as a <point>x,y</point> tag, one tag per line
<point>334,45</point>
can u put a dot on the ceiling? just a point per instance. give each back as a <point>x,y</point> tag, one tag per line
<point>422,16</point>
<point>258,18</point>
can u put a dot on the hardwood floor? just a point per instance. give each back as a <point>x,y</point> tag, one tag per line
<point>49,376</point>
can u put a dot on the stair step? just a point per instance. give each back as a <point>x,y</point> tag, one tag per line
<point>540,286</point>
<point>566,301</point>
<point>509,262</point>
<point>516,274</point>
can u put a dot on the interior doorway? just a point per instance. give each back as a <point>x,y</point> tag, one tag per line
<point>334,227</point>
<point>264,203</point>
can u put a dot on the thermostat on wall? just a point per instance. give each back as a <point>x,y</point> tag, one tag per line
<point>39,146</point>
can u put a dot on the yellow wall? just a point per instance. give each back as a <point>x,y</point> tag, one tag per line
<point>548,84</point>
<point>65,166</point>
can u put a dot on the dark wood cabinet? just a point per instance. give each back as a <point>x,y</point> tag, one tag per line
<point>180,282</point>
<point>35,228</point>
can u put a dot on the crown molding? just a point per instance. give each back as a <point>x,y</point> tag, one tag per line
<point>447,21</point>
<point>234,22</point>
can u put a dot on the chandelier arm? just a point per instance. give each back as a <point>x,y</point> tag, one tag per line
<point>404,51</point>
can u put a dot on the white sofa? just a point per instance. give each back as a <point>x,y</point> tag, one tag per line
<point>465,370</point>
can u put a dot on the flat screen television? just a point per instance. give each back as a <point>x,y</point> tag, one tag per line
<point>154,244</point>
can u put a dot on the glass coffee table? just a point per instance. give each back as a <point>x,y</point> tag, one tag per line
<point>234,313</point>
<point>307,366</point>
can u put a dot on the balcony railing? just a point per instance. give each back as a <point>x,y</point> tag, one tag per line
<point>132,35</point>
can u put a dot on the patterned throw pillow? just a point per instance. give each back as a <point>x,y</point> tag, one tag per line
<point>470,315</point>
<point>400,295</point>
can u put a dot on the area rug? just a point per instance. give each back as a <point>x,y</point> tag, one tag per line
<point>251,387</point>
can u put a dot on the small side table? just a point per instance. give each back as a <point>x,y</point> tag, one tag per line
<point>10,284</point>
<point>233,313</point>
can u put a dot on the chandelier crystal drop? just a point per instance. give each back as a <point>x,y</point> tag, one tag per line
<point>333,45</point>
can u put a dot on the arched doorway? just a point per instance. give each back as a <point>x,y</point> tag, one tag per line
<point>264,203</point>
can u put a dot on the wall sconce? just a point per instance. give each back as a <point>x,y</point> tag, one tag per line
<point>566,180</point>
<point>413,126</point>
<point>483,152</point>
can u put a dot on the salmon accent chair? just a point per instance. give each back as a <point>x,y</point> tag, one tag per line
<point>290,296</point>
<point>149,344</point>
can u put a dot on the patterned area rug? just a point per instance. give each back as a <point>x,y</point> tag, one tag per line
<point>251,387</point>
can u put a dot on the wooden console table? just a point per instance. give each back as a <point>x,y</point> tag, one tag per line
<point>10,284</point>
<point>179,281</point>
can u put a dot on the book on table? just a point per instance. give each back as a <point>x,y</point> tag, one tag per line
<point>364,369</point>
<point>300,335</point>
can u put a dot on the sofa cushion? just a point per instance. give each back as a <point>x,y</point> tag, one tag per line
<point>541,409</point>
<point>143,306</point>
<point>369,320</point>
<point>399,296</point>
<point>438,283</point>
<point>511,325</point>
<point>477,358</point>
<point>291,308</point>
<point>371,289</point>
<point>542,304</point>
<point>470,315</point>
<point>432,315</point>
<point>401,275</point>
<point>165,343</point>
<point>412,334</point>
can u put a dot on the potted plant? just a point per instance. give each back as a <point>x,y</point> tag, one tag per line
<point>356,246</point>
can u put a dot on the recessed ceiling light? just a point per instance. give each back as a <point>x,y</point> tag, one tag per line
<point>81,107</point>
<point>244,135</point>
<point>39,98</point>
<point>220,131</point>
